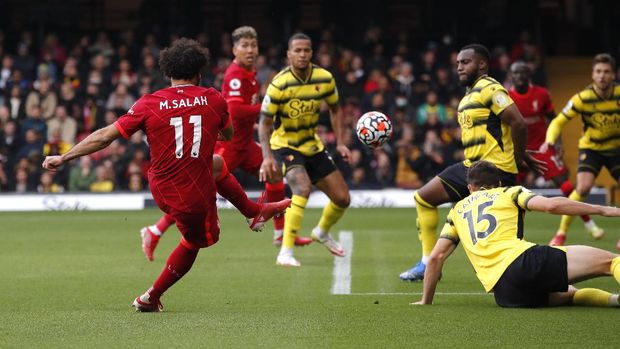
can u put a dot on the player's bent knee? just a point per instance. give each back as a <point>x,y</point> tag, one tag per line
<point>343,202</point>
<point>302,190</point>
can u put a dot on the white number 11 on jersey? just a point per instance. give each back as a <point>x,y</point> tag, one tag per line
<point>178,135</point>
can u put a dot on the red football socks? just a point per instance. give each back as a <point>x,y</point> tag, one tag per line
<point>178,264</point>
<point>274,193</point>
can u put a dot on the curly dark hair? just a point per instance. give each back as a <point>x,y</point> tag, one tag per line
<point>184,59</point>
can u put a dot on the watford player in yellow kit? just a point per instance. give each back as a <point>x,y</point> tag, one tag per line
<point>291,146</point>
<point>599,108</point>
<point>492,129</point>
<point>489,224</point>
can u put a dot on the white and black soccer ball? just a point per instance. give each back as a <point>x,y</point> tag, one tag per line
<point>374,129</point>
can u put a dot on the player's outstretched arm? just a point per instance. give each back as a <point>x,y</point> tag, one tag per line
<point>560,205</point>
<point>94,142</point>
<point>442,250</point>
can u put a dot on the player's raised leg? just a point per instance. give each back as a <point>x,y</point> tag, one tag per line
<point>336,189</point>
<point>257,213</point>
<point>427,198</point>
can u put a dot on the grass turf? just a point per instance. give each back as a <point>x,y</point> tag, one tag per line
<point>67,279</point>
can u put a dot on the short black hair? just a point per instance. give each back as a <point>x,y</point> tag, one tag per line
<point>298,36</point>
<point>605,58</point>
<point>480,50</point>
<point>483,174</point>
<point>184,59</point>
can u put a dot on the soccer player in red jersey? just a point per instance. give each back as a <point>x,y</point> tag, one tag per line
<point>534,103</point>
<point>182,124</point>
<point>241,91</point>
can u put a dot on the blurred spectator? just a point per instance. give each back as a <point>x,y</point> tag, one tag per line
<point>71,75</point>
<point>444,86</point>
<point>135,183</point>
<point>26,177</point>
<point>120,100</point>
<point>16,104</point>
<point>404,80</point>
<point>47,185</point>
<point>149,71</point>
<point>384,173</point>
<point>21,184</point>
<point>33,145</point>
<point>124,75</point>
<point>431,106</point>
<point>69,101</point>
<point>4,178</point>
<point>44,98</point>
<point>25,62</point>
<point>5,72</point>
<point>55,144</point>
<point>10,143</point>
<point>64,124</point>
<point>35,122</point>
<point>103,181</point>
<point>82,175</point>
<point>351,86</point>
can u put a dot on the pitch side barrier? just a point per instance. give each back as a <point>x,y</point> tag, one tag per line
<point>137,201</point>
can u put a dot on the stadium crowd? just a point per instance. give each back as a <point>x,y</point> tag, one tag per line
<point>53,93</point>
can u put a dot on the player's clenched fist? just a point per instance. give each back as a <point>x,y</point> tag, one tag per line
<point>52,163</point>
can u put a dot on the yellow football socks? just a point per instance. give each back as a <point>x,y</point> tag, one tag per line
<point>331,215</point>
<point>292,220</point>
<point>592,297</point>
<point>566,220</point>
<point>428,217</point>
<point>615,268</point>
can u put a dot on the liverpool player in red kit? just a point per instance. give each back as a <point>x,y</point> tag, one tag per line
<point>534,103</point>
<point>241,91</point>
<point>182,123</point>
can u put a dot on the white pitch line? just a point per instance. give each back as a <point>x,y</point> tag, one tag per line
<point>342,265</point>
<point>418,294</point>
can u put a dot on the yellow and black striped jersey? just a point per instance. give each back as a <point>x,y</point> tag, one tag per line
<point>601,120</point>
<point>484,135</point>
<point>294,105</point>
<point>489,224</point>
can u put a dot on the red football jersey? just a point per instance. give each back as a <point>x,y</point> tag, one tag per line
<point>534,105</point>
<point>240,87</point>
<point>181,125</point>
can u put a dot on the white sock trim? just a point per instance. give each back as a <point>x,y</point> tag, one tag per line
<point>153,228</point>
<point>425,259</point>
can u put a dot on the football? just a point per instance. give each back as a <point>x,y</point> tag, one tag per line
<point>374,129</point>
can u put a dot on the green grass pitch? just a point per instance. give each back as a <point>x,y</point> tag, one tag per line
<point>67,280</point>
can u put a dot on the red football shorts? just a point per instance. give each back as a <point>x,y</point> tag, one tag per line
<point>248,158</point>
<point>197,221</point>
<point>555,165</point>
